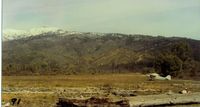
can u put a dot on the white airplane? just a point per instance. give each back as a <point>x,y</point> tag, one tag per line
<point>155,76</point>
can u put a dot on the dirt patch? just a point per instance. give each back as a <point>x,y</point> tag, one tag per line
<point>92,102</point>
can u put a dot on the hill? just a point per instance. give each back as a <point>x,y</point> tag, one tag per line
<point>75,52</point>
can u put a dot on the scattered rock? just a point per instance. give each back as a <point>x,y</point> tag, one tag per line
<point>170,92</point>
<point>183,92</point>
<point>6,105</point>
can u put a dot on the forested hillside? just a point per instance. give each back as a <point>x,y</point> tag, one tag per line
<point>73,53</point>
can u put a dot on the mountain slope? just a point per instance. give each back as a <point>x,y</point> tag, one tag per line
<point>55,52</point>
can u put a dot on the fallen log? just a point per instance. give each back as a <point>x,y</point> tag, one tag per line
<point>164,100</point>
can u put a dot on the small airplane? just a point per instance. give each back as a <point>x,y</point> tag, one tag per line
<point>155,76</point>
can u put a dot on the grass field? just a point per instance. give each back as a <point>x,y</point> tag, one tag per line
<point>44,91</point>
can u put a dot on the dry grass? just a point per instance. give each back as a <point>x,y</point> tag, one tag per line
<point>71,80</point>
<point>130,80</point>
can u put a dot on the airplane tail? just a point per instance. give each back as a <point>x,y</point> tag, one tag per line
<point>168,77</point>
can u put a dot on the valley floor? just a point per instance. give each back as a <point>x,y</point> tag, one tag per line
<point>44,91</point>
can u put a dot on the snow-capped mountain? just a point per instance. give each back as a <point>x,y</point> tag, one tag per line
<point>10,34</point>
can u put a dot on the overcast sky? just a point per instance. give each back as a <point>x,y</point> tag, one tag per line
<point>153,17</point>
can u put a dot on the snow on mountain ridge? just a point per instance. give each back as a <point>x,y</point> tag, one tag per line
<point>36,31</point>
<point>10,34</point>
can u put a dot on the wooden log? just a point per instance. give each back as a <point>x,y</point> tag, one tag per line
<point>164,99</point>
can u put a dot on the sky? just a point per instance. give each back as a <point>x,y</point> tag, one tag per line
<point>151,17</point>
